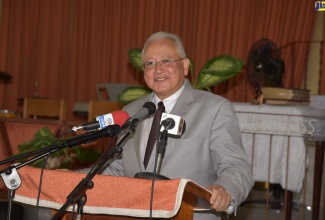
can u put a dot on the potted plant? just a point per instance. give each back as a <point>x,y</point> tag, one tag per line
<point>67,158</point>
<point>215,71</point>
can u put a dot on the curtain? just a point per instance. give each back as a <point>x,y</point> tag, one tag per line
<point>62,49</point>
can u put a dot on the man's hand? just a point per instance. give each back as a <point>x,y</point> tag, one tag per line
<point>220,198</point>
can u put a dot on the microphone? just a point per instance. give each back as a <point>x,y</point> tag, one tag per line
<point>109,131</point>
<point>171,124</point>
<point>174,124</point>
<point>116,117</point>
<point>168,123</point>
<point>147,109</point>
<point>161,148</point>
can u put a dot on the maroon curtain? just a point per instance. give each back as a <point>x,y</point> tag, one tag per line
<point>60,48</point>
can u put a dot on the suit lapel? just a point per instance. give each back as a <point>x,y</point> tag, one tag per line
<point>184,101</point>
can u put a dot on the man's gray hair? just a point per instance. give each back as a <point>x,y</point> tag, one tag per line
<point>173,37</point>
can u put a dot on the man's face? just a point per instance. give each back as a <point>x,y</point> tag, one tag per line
<point>164,80</point>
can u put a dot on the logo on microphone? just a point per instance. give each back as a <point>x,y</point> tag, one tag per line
<point>179,126</point>
<point>105,120</point>
<point>109,121</point>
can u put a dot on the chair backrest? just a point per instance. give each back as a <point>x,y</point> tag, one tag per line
<point>45,108</point>
<point>97,108</point>
<point>112,90</point>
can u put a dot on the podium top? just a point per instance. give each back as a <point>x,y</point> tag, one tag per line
<point>111,195</point>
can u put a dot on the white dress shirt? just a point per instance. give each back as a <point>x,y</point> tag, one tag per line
<point>169,104</point>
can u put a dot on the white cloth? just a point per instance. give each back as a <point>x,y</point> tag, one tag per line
<point>270,132</point>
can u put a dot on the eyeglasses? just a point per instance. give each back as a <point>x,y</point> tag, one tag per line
<point>163,63</point>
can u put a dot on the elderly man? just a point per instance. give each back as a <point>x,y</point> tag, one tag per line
<point>210,152</point>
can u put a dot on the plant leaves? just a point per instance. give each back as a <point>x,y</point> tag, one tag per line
<point>222,64</point>
<point>132,93</point>
<point>215,71</point>
<point>42,138</point>
<point>207,80</point>
<point>87,155</point>
<point>136,59</point>
<point>45,138</point>
<point>219,69</point>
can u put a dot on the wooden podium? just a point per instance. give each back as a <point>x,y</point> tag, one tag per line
<point>114,197</point>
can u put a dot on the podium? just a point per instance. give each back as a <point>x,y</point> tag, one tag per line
<point>114,197</point>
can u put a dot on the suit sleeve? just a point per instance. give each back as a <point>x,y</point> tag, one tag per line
<point>229,158</point>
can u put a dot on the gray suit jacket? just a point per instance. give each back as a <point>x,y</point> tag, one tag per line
<point>209,152</point>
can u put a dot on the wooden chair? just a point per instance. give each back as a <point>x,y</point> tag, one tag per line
<point>97,108</point>
<point>110,91</point>
<point>45,108</point>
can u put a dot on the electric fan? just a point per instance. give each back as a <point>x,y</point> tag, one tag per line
<point>264,66</point>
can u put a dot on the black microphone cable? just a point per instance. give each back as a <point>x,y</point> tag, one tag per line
<point>154,175</point>
<point>40,185</point>
<point>41,177</point>
<point>42,174</point>
<point>168,123</point>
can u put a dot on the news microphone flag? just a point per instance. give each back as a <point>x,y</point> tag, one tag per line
<point>179,124</point>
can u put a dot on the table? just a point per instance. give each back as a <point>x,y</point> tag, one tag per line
<point>274,138</point>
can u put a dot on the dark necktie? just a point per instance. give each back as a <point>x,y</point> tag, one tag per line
<point>153,133</point>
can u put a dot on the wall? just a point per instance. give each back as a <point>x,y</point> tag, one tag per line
<point>313,65</point>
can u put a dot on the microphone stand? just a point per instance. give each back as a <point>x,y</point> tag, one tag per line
<point>10,175</point>
<point>161,148</point>
<point>78,194</point>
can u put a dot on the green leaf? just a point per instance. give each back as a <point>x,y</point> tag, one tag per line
<point>132,93</point>
<point>38,163</point>
<point>42,137</point>
<point>219,69</point>
<point>66,164</point>
<point>45,138</point>
<point>215,71</point>
<point>87,156</point>
<point>222,64</point>
<point>135,57</point>
<point>207,80</point>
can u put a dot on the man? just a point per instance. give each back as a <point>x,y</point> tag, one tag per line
<point>210,152</point>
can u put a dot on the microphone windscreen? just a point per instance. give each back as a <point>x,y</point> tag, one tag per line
<point>151,107</point>
<point>120,117</point>
<point>117,117</point>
